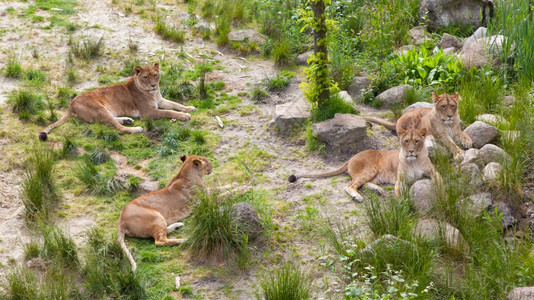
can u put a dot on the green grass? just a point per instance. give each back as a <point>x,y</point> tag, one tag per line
<point>26,103</point>
<point>334,105</point>
<point>277,84</point>
<point>86,48</point>
<point>59,248</point>
<point>98,181</point>
<point>13,67</point>
<point>35,77</point>
<point>258,95</point>
<point>169,32</point>
<point>286,282</point>
<point>282,54</point>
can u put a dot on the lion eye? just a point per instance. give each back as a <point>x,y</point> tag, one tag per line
<point>443,107</point>
<point>416,142</point>
<point>406,142</point>
<point>146,77</point>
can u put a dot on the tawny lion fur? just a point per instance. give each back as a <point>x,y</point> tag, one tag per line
<point>140,96</point>
<point>372,167</point>
<point>155,214</point>
<point>442,122</point>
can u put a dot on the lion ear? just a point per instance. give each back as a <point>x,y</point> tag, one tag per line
<point>402,131</point>
<point>157,66</point>
<point>137,70</point>
<point>422,132</point>
<point>197,162</point>
<point>456,97</point>
<point>435,97</point>
<point>183,157</point>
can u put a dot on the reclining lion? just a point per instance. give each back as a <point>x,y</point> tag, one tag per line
<point>372,167</point>
<point>138,97</point>
<point>155,214</point>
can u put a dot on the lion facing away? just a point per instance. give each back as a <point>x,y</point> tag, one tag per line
<point>372,167</point>
<point>155,214</point>
<point>140,96</point>
<point>442,122</point>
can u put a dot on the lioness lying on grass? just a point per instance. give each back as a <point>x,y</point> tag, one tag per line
<point>372,167</point>
<point>140,96</point>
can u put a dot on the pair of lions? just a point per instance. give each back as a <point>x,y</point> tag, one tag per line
<point>139,96</point>
<point>411,162</point>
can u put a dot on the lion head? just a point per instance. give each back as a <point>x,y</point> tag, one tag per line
<point>412,142</point>
<point>147,77</point>
<point>446,105</point>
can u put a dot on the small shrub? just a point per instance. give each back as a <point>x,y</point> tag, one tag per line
<point>277,84</point>
<point>213,234</point>
<point>287,282</point>
<point>13,68</point>
<point>59,247</point>
<point>282,54</point>
<point>26,103</point>
<point>258,95</point>
<point>169,32</point>
<point>87,48</point>
<point>334,105</point>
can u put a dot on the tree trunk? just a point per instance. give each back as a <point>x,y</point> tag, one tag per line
<point>320,46</point>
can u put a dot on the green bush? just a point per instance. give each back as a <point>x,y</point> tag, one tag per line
<point>13,68</point>
<point>26,103</point>
<point>287,282</point>
<point>334,105</point>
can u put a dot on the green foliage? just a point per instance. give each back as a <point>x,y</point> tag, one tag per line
<point>97,182</point>
<point>39,188</point>
<point>26,103</point>
<point>334,105</point>
<point>87,48</point>
<point>22,283</point>
<point>169,32</point>
<point>394,217</point>
<point>420,66</point>
<point>287,282</point>
<point>35,77</point>
<point>277,84</point>
<point>213,233</point>
<point>258,95</point>
<point>342,48</point>
<point>457,30</point>
<point>31,250</point>
<point>59,248</point>
<point>13,67</point>
<point>282,53</point>
<point>69,147</point>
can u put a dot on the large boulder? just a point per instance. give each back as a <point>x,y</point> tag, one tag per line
<point>394,95</point>
<point>247,35</point>
<point>492,171</point>
<point>478,203</point>
<point>289,114</point>
<point>418,105</point>
<point>480,32</point>
<point>346,97</point>
<point>481,133</point>
<point>247,220</point>
<point>449,12</point>
<point>521,293</point>
<point>423,195</point>
<point>472,156</point>
<point>482,51</point>
<point>344,131</point>
<point>357,85</point>
<point>472,175</point>
<point>505,211</point>
<point>430,229</point>
<point>449,41</point>
<point>491,153</point>
<point>302,59</point>
<point>419,35</point>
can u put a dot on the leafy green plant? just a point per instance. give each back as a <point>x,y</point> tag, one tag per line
<point>35,77</point>
<point>287,282</point>
<point>278,83</point>
<point>420,66</point>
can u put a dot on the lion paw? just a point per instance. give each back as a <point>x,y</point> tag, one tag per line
<point>467,142</point>
<point>375,188</point>
<point>354,194</point>
<point>137,129</point>
<point>190,108</point>
<point>187,117</point>
<point>127,121</point>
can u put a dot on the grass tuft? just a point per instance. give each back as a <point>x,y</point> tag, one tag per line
<point>169,32</point>
<point>334,105</point>
<point>26,103</point>
<point>287,282</point>
<point>13,68</point>
<point>87,48</point>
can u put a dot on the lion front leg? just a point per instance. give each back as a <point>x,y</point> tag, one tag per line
<point>170,114</point>
<point>466,141</point>
<point>166,104</point>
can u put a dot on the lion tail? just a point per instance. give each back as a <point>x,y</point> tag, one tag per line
<point>120,239</point>
<point>44,134</point>
<point>338,171</point>
<point>387,124</point>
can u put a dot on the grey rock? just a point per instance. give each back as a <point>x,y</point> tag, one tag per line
<point>480,32</point>
<point>343,131</point>
<point>249,35</point>
<point>449,51</point>
<point>247,220</point>
<point>521,293</point>
<point>492,171</point>
<point>447,12</point>
<point>419,35</point>
<point>431,229</point>
<point>491,153</point>
<point>477,203</point>
<point>481,133</point>
<point>346,97</point>
<point>302,59</point>
<point>473,156</point>
<point>505,211</point>
<point>357,85</point>
<point>418,105</point>
<point>492,119</point>
<point>472,175</point>
<point>448,41</point>
<point>394,95</point>
<point>387,244</point>
<point>509,101</point>
<point>291,113</point>
<point>204,27</point>
<point>423,195</point>
<point>482,51</point>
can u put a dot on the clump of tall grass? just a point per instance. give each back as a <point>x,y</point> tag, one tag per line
<point>213,233</point>
<point>282,54</point>
<point>22,283</point>
<point>87,48</point>
<point>278,83</point>
<point>35,77</point>
<point>96,182</point>
<point>258,94</point>
<point>481,92</point>
<point>58,247</point>
<point>26,103</point>
<point>40,193</point>
<point>393,217</point>
<point>223,27</point>
<point>287,282</point>
<point>13,67</point>
<point>333,105</point>
<point>169,32</point>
